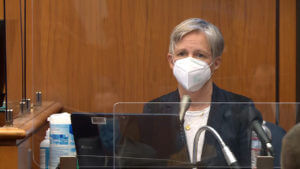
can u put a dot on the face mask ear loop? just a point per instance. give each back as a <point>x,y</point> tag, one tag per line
<point>173,61</point>
<point>213,72</point>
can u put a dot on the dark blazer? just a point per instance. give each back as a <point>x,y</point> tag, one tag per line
<point>277,135</point>
<point>231,121</point>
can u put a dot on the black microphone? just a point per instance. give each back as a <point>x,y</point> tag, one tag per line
<point>262,136</point>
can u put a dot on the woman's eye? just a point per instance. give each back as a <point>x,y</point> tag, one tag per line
<point>199,55</point>
<point>181,54</point>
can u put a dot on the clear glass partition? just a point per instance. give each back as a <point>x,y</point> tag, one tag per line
<point>159,135</point>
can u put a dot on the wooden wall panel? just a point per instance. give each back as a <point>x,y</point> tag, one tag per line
<point>91,54</point>
<point>287,62</point>
<point>6,152</point>
<point>1,10</point>
<point>2,49</point>
<point>13,52</point>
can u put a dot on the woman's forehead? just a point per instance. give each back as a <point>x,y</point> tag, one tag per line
<point>193,41</point>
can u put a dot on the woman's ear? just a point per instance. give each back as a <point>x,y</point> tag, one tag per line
<point>217,63</point>
<point>170,60</point>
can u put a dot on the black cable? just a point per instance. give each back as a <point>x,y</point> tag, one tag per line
<point>4,52</point>
<point>277,80</point>
<point>297,60</point>
<point>25,55</point>
<point>22,52</point>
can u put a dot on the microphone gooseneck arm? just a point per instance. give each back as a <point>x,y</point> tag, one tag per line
<point>230,158</point>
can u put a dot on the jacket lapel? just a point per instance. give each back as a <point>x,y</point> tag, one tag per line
<point>215,120</point>
<point>172,104</point>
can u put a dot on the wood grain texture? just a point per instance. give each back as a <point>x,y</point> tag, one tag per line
<point>13,52</point>
<point>26,134</point>
<point>6,154</point>
<point>37,138</point>
<point>37,117</point>
<point>1,10</point>
<point>27,124</point>
<point>90,54</point>
<point>287,61</point>
<point>11,133</point>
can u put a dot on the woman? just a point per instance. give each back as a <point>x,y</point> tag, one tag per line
<point>194,55</point>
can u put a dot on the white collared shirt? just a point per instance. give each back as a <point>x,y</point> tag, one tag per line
<point>193,120</point>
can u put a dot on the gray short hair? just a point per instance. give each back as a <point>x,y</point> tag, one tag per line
<point>213,34</point>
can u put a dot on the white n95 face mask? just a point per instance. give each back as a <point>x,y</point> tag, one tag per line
<point>191,73</point>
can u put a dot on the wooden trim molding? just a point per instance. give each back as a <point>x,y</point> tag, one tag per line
<point>37,117</point>
<point>24,136</point>
<point>12,133</point>
<point>27,124</point>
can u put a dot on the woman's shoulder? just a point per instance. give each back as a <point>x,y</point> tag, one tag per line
<point>222,95</point>
<point>241,106</point>
<point>169,97</point>
<point>163,104</point>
